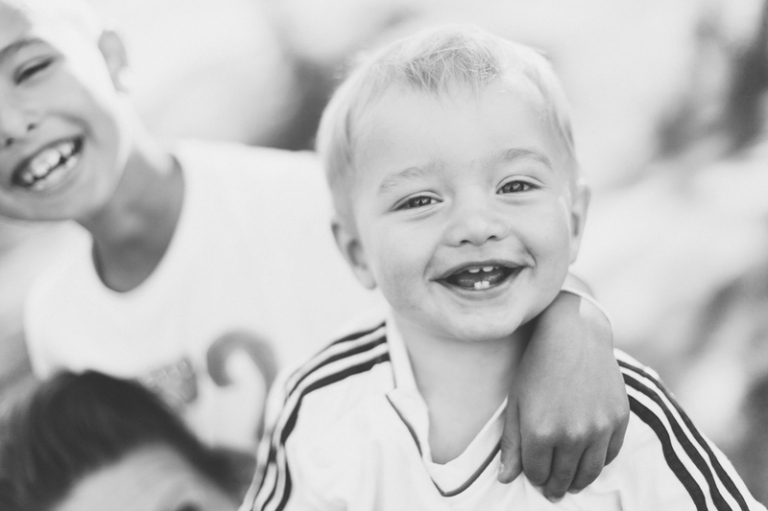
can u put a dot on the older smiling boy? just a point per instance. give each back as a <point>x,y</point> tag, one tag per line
<point>195,258</point>
<point>452,168</point>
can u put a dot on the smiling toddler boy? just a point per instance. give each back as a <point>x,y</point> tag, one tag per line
<point>452,168</point>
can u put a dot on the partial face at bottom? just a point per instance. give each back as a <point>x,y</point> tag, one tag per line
<point>463,210</point>
<point>149,479</point>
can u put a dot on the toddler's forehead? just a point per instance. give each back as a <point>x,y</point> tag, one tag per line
<point>367,128</point>
<point>453,97</point>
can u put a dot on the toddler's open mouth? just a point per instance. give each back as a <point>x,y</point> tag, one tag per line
<point>49,166</point>
<point>479,277</point>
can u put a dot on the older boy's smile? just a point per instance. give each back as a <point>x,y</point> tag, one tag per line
<point>49,166</point>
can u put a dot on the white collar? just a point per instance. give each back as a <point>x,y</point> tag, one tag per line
<point>413,411</point>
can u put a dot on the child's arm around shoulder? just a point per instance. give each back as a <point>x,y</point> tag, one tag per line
<point>568,408</point>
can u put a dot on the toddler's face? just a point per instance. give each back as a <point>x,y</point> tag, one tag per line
<point>464,210</point>
<point>60,123</point>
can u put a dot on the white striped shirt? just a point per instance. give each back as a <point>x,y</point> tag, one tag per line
<point>348,431</point>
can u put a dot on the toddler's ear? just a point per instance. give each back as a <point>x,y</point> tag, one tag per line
<point>579,206</point>
<point>352,250</point>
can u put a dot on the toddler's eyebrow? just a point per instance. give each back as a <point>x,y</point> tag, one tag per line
<point>411,172</point>
<point>515,153</point>
<point>16,46</point>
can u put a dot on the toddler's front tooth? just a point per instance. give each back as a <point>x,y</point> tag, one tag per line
<point>479,285</point>
<point>487,268</point>
<point>474,270</point>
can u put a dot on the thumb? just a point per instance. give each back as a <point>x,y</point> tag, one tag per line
<point>511,454</point>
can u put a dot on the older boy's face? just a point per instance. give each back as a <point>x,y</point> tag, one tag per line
<point>464,211</point>
<point>60,133</point>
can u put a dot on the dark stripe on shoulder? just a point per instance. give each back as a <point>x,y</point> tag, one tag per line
<point>670,456</point>
<point>360,333</point>
<point>291,423</point>
<point>346,354</point>
<point>343,373</point>
<point>690,450</point>
<point>323,358</point>
<point>721,472</point>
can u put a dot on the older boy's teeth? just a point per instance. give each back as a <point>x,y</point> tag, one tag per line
<point>67,148</point>
<point>43,163</point>
<point>49,166</point>
<point>27,178</point>
<point>52,157</point>
<point>52,179</point>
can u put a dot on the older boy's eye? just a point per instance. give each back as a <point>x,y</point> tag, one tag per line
<point>417,202</point>
<point>515,187</point>
<point>31,70</point>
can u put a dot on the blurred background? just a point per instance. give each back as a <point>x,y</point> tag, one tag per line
<point>669,108</point>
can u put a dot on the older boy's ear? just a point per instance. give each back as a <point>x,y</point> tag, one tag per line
<point>352,250</point>
<point>113,50</point>
<point>579,206</point>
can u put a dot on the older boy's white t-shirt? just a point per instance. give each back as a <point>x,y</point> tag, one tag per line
<point>348,430</point>
<point>251,273</point>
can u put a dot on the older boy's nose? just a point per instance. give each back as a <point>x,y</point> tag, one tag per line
<point>476,223</point>
<point>15,123</point>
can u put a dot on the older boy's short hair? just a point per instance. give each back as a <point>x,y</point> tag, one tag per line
<point>432,62</point>
<point>74,424</point>
<point>79,13</point>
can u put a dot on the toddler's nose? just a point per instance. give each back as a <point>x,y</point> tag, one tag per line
<point>476,221</point>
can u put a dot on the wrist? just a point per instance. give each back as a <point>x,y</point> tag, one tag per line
<point>588,301</point>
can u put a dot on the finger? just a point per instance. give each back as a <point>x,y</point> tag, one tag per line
<point>590,466</point>
<point>537,461</point>
<point>511,463</point>
<point>564,466</point>
<point>617,440</point>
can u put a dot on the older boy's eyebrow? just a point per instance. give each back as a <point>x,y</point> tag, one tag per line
<point>15,47</point>
<point>408,173</point>
<point>515,153</point>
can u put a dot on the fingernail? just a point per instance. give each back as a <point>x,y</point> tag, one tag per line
<point>553,498</point>
<point>503,476</point>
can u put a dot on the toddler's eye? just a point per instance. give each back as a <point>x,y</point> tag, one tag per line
<point>31,70</point>
<point>515,187</point>
<point>417,202</point>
